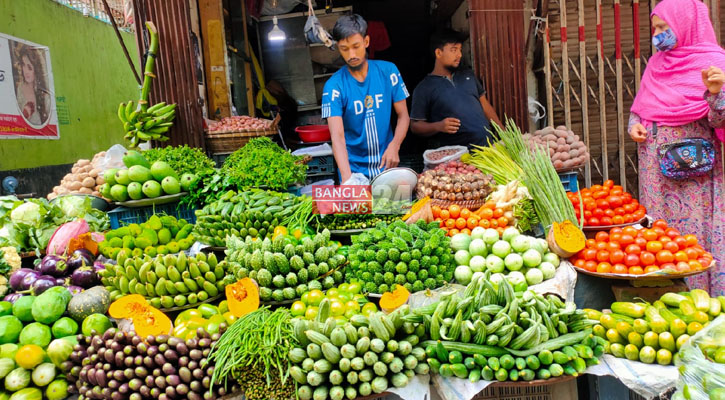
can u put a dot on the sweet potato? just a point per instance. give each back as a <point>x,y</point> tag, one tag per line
<point>93,173</point>
<point>75,185</point>
<point>564,148</point>
<point>573,153</point>
<point>561,133</point>
<point>549,137</point>
<point>558,164</point>
<point>83,163</point>
<point>85,190</point>
<point>74,170</point>
<point>100,180</point>
<point>89,182</point>
<point>561,141</point>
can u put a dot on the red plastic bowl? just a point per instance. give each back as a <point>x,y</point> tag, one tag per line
<point>313,133</point>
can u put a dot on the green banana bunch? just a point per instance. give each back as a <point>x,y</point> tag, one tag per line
<point>142,126</point>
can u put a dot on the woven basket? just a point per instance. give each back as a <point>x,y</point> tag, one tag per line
<point>229,142</point>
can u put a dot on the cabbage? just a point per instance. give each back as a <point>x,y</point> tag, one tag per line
<point>28,213</point>
<point>462,257</point>
<point>494,263</point>
<point>477,233</point>
<point>478,248</point>
<point>43,374</point>
<point>521,243</point>
<point>477,264</point>
<point>461,241</point>
<point>490,236</point>
<point>17,379</point>
<point>463,274</point>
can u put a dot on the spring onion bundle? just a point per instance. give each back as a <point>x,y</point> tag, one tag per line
<point>539,176</point>
<point>495,160</point>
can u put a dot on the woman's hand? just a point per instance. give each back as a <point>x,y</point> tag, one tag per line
<point>713,78</point>
<point>638,133</point>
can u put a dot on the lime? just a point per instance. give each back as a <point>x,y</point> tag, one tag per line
<point>332,293</point>
<point>368,309</point>
<point>298,308</point>
<point>230,318</point>
<point>305,298</point>
<point>344,287</point>
<point>353,305</point>
<point>720,355</point>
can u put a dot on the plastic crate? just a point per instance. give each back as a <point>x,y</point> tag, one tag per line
<point>124,216</point>
<point>569,180</point>
<point>324,165</point>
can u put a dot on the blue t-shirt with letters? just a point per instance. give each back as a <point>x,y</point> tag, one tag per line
<point>365,108</point>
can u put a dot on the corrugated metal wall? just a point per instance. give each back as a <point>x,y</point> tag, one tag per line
<point>177,70</point>
<point>497,42</point>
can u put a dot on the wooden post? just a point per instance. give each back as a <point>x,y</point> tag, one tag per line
<point>620,99</point>
<point>652,4</point>
<point>565,64</point>
<point>547,73</point>
<point>584,94</point>
<point>602,94</point>
<point>215,58</point>
<point>637,58</point>
<point>247,67</point>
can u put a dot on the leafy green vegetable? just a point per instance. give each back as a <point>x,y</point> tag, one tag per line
<point>261,162</point>
<point>182,159</point>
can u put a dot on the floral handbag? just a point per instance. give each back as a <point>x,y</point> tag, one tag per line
<point>686,158</point>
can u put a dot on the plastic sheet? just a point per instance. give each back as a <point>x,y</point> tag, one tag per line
<point>700,377</point>
<point>648,380</point>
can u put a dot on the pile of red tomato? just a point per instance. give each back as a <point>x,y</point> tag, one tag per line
<point>606,204</point>
<point>641,251</point>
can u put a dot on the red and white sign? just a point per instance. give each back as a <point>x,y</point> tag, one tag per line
<point>27,96</point>
<point>343,199</point>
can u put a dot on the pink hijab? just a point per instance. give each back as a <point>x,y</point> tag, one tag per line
<point>672,91</point>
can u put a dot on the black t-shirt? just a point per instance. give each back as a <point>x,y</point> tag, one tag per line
<point>437,98</point>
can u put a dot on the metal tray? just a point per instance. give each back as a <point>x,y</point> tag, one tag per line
<point>389,183</point>
<point>153,202</point>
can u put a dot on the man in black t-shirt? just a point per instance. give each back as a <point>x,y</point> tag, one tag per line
<point>450,105</point>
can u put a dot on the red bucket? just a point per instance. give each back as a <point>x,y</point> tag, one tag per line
<point>313,133</point>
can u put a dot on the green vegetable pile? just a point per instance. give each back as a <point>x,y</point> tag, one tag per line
<point>261,162</point>
<point>417,256</point>
<point>36,342</point>
<point>29,224</point>
<point>491,332</point>
<point>351,221</point>
<point>253,351</point>
<point>161,234</point>
<point>182,159</point>
<point>252,213</point>
<point>364,356</point>
<point>285,268</point>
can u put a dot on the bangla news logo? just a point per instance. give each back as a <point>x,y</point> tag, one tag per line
<point>360,199</point>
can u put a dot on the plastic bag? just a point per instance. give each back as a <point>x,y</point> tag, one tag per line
<point>315,151</point>
<point>113,158</point>
<point>700,377</point>
<point>357,179</point>
<point>432,158</point>
<point>314,31</point>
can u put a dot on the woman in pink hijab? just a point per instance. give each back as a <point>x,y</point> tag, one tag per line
<point>680,101</point>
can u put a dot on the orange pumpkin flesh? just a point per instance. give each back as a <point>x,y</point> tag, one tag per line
<point>242,297</point>
<point>392,300</point>
<point>146,319</point>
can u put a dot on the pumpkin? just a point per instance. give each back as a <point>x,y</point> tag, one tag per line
<point>565,239</point>
<point>87,302</point>
<point>147,320</point>
<point>242,297</point>
<point>392,300</point>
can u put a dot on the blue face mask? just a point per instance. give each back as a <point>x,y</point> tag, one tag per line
<point>665,40</point>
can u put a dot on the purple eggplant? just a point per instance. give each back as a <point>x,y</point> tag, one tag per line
<point>85,277</point>
<point>74,290</point>
<point>99,266</point>
<point>23,278</point>
<point>61,281</point>
<point>43,283</point>
<point>53,265</point>
<point>82,257</point>
<point>13,297</point>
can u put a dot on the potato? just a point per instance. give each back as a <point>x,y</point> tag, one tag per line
<point>89,182</point>
<point>576,138</point>
<point>81,176</point>
<point>550,137</point>
<point>573,153</point>
<point>96,193</point>
<point>564,148</point>
<point>561,134</point>
<point>563,155</point>
<point>93,173</point>
<point>85,190</point>
<point>63,190</point>
<point>570,140</point>
<point>100,180</point>
<point>75,185</point>
<point>558,164</point>
<point>83,163</point>
<point>562,128</point>
<point>547,131</point>
<point>569,164</point>
<point>74,170</point>
<point>561,141</point>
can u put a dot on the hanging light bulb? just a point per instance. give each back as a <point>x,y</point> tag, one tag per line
<point>276,34</point>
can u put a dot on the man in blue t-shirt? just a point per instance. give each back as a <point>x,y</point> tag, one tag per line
<point>450,105</point>
<point>357,102</point>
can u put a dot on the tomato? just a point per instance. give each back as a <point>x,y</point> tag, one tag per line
<point>586,192</point>
<point>649,235</point>
<point>617,256</point>
<point>633,249</point>
<point>691,253</point>
<point>681,256</point>
<point>617,220</point>
<point>611,246</point>
<point>598,212</point>
<point>471,222</point>
<point>596,188</point>
<point>589,204</point>
<point>654,246</point>
<point>606,221</point>
<point>659,231</point>
<point>468,231</point>
<point>665,256</point>
<point>619,211</point>
<point>619,269</point>
<point>591,243</point>
<point>647,258</point>
<point>631,260</point>
<point>660,223</point>
<point>465,213</point>
<point>600,194</point>
<point>502,221</point>
<point>493,223</point>
<point>668,266</point>
<point>603,204</point>
<point>590,266</point>
<point>681,242</point>
<point>601,236</point>
<point>664,239</point>
<point>589,254</point>
<point>445,215</point>
<point>638,215</point>
<point>604,268</point>
<point>450,223</point>
<point>593,221</point>
<point>682,266</point>
<point>311,313</point>
<point>601,246</point>
<point>436,211</point>
<point>616,191</point>
<point>602,255</point>
<point>453,232</point>
<point>484,223</point>
<point>461,223</point>
<point>695,265</point>
<point>651,268</point>
<point>614,201</point>
<point>615,236</point>
<point>487,213</point>
<point>454,210</point>
<point>691,240</point>
<point>636,270</point>
<point>609,212</point>
<point>579,263</point>
<point>608,183</point>
<point>629,208</point>
<point>641,242</point>
<point>630,230</point>
<point>626,239</point>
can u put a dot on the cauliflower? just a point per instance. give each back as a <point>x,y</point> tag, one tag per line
<point>9,260</point>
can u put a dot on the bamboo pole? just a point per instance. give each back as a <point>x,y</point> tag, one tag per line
<point>620,99</point>
<point>547,73</point>
<point>120,40</point>
<point>584,94</point>
<point>565,64</point>
<point>602,94</point>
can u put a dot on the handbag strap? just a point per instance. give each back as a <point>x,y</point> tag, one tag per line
<point>310,9</point>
